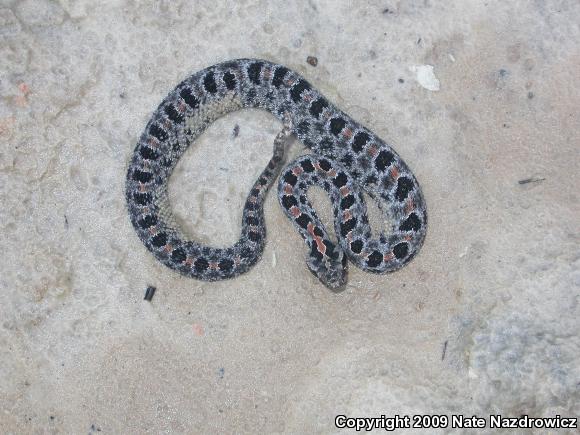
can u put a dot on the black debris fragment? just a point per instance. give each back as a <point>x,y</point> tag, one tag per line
<point>312,60</point>
<point>531,180</point>
<point>149,293</point>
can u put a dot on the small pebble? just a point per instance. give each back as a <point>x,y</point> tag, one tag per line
<point>401,81</point>
<point>236,130</point>
<point>149,293</point>
<point>312,60</point>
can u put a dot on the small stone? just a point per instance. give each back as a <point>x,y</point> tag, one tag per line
<point>312,60</point>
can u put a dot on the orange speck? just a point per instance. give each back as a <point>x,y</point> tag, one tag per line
<point>24,88</point>
<point>394,172</point>
<point>198,329</point>
<point>295,211</point>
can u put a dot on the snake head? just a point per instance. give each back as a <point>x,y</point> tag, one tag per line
<point>330,268</point>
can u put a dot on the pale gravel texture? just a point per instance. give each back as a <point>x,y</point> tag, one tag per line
<point>498,278</point>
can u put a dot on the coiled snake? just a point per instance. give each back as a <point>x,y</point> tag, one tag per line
<point>347,159</point>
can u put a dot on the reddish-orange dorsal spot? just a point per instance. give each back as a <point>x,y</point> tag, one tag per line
<point>297,170</point>
<point>373,151</point>
<point>388,256</point>
<point>287,189</point>
<point>394,172</point>
<point>168,248</point>
<point>344,190</point>
<point>347,215</point>
<point>332,173</point>
<point>295,211</point>
<point>320,245</point>
<point>214,265</point>
<point>189,261</point>
<point>347,133</point>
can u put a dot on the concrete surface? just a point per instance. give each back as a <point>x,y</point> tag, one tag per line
<point>477,96</point>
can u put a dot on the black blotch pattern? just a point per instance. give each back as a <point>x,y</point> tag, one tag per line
<point>348,226</point>
<point>347,160</point>
<point>143,177</point>
<point>209,83</point>
<point>318,106</point>
<point>404,186</point>
<point>401,250</point>
<point>189,98</point>
<point>178,255</point>
<point>160,239</point>
<point>356,246</point>
<point>325,164</point>
<point>411,223</point>
<point>262,181</point>
<point>173,114</point>
<point>383,160</point>
<point>330,249</point>
<point>371,179</point>
<point>158,132</point>
<point>254,72</point>
<point>279,74</point>
<point>226,265</point>
<point>347,202</point>
<point>298,88</point>
<point>290,178</point>
<point>340,180</point>
<point>303,199</point>
<point>360,139</point>
<point>148,221</point>
<point>246,253</point>
<point>230,80</point>
<point>254,236</point>
<point>318,232</point>
<point>251,220</point>
<point>201,264</point>
<point>288,201</point>
<point>142,198</point>
<point>303,220</point>
<point>314,252</point>
<point>375,259</point>
<point>336,125</point>
<point>307,166</point>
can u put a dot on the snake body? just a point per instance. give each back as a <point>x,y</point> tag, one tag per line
<point>347,159</point>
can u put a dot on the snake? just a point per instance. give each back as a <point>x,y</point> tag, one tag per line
<point>347,160</point>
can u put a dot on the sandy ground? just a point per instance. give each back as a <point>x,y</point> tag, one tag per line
<point>484,321</point>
